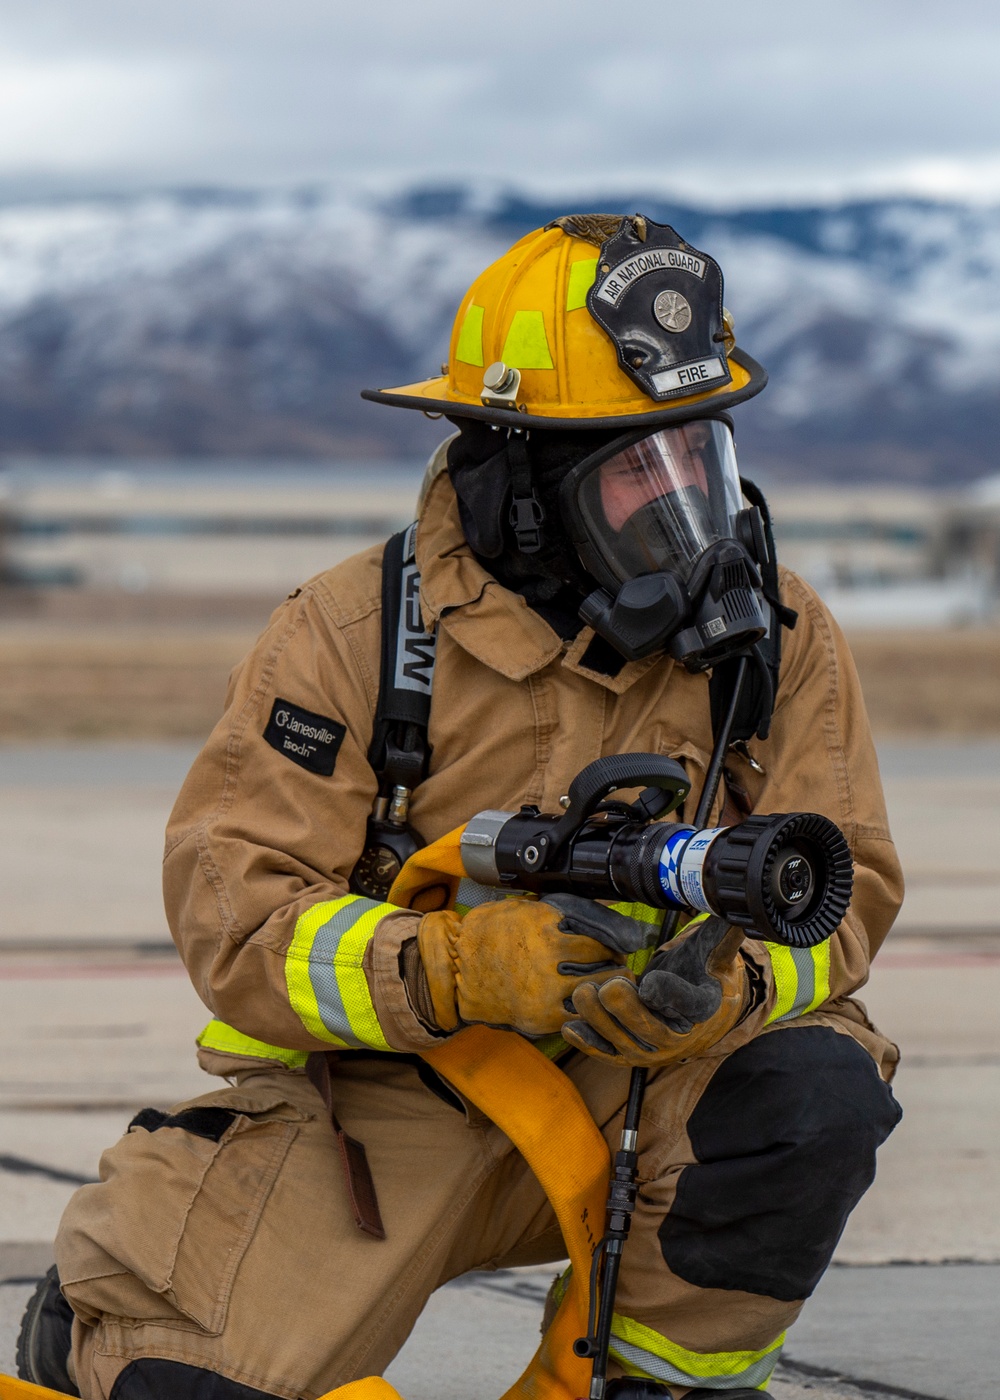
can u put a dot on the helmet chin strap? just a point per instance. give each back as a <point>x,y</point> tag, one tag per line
<point>507,483</point>
<point>526,510</point>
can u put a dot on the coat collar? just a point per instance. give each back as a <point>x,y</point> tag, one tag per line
<point>485,619</point>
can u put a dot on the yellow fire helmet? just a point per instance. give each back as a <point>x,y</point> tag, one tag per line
<point>595,321</point>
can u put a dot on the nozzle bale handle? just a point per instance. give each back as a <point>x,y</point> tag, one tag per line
<point>627,770</point>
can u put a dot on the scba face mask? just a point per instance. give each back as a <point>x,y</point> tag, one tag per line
<point>658,520</point>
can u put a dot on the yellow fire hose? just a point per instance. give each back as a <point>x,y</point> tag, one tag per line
<point>539,1109</point>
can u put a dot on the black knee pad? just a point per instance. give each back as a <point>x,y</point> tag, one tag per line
<point>152,1378</point>
<point>784,1139</point>
<point>637,1388</point>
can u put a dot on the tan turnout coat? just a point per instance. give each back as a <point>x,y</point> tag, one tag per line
<point>255,840</point>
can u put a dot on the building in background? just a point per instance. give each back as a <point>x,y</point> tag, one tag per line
<point>881,556</point>
<point>886,556</point>
<point>218,529</point>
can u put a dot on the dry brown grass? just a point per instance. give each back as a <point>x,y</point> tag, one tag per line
<point>932,683</point>
<point>99,685</point>
<point>168,679</point>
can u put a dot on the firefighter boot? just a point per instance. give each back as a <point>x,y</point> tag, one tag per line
<point>45,1340</point>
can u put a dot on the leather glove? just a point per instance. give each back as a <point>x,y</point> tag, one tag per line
<point>515,963</point>
<point>693,992</point>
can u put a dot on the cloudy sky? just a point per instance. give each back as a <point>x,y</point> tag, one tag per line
<point>717,99</point>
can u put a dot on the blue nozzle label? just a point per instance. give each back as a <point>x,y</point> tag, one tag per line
<point>670,863</point>
<point>692,866</point>
<point>682,862</point>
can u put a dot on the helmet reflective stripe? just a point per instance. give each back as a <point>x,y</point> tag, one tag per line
<point>226,1040</point>
<point>581,278</point>
<point>469,345</point>
<point>801,979</point>
<point>526,345</point>
<point>647,1353</point>
<point>326,983</point>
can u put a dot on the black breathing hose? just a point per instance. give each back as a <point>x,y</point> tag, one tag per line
<point>622,1197</point>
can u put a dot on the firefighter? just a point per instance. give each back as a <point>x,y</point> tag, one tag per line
<point>280,1235</point>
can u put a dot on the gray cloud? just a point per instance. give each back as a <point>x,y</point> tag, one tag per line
<point>716,98</point>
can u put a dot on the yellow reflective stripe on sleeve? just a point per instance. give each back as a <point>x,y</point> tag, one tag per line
<point>352,982</point>
<point>643,912</point>
<point>786,979</point>
<point>229,1041</point>
<point>551,1046</point>
<point>326,983</point>
<point>801,979</point>
<point>644,1352</point>
<point>637,962</point>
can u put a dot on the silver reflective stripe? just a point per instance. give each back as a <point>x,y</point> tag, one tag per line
<point>758,1373</point>
<point>322,973</point>
<point>471,894</point>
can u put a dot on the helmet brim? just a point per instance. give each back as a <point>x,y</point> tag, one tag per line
<point>431,396</point>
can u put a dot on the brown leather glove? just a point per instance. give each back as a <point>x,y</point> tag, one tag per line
<point>515,963</point>
<point>693,992</point>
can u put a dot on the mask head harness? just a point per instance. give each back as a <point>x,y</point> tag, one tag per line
<point>527,513</point>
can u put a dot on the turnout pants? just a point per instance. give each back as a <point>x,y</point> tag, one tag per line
<point>221,1239</point>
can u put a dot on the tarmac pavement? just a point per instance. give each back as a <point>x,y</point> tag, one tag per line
<point>914,1333</point>
<point>97,1019</point>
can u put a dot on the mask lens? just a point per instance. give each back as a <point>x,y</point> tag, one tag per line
<point>656,505</point>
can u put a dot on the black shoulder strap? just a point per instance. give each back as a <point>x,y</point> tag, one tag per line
<point>753,715</point>
<point>399,751</point>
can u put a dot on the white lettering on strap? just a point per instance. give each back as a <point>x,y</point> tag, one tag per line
<point>415,647</point>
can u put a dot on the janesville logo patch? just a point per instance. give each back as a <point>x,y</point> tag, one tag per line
<point>311,741</point>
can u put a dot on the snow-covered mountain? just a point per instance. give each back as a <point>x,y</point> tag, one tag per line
<point>214,322</point>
